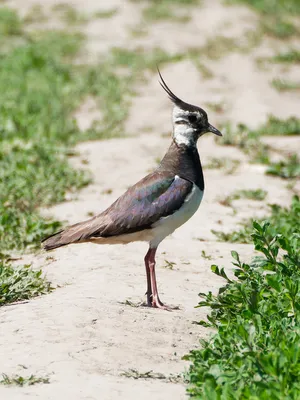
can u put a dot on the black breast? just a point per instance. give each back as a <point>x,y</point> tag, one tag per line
<point>185,162</point>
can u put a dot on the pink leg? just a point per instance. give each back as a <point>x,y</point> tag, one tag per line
<point>152,293</point>
<point>149,289</point>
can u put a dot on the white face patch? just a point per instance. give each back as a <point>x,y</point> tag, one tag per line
<point>183,133</point>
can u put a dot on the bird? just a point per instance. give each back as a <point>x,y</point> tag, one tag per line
<point>158,204</point>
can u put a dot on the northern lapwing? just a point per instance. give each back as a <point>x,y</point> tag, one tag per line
<point>159,203</point>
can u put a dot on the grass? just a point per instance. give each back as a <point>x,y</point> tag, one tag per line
<point>135,374</point>
<point>205,256</point>
<point>106,14</point>
<point>10,22</point>
<point>254,353</point>
<point>283,85</point>
<point>287,169</point>
<point>284,221</point>
<point>249,141</point>
<point>69,14</point>
<point>174,10</point>
<point>291,56</point>
<point>278,27</point>
<point>281,127</point>
<point>18,380</point>
<point>273,7</point>
<point>169,265</point>
<point>20,283</point>
<point>228,165</point>
<point>250,194</point>
<point>38,93</point>
<point>276,17</point>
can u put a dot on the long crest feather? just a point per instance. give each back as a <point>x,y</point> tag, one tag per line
<point>176,100</point>
<point>171,95</point>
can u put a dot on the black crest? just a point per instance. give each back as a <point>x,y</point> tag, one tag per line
<point>176,100</point>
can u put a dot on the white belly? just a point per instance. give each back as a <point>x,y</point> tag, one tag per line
<point>167,225</point>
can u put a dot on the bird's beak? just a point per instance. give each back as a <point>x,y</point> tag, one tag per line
<point>214,130</point>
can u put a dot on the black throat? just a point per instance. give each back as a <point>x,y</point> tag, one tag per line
<point>184,161</point>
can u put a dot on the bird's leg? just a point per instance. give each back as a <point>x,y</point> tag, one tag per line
<point>149,289</point>
<point>152,293</point>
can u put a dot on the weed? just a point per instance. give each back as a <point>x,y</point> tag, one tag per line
<point>255,352</point>
<point>272,7</point>
<point>250,194</point>
<point>106,14</point>
<point>169,264</point>
<point>19,283</point>
<point>287,169</point>
<point>248,141</point>
<point>69,14</point>
<point>278,27</point>
<point>22,381</point>
<point>10,22</point>
<point>168,9</point>
<point>283,221</point>
<point>228,165</point>
<point>36,14</point>
<point>291,56</point>
<point>135,374</point>
<point>131,303</point>
<point>37,95</point>
<point>283,85</point>
<point>205,256</point>
<point>218,47</point>
<point>277,126</point>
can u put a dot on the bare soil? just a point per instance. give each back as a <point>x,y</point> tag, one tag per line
<point>83,335</point>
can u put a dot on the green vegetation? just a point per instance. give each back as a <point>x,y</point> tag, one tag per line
<point>20,283</point>
<point>255,352</point>
<point>249,141</point>
<point>169,9</point>
<point>38,93</point>
<point>106,14</point>
<point>135,374</point>
<point>276,16</point>
<point>281,127</point>
<point>69,14</point>
<point>288,168</point>
<point>250,194</point>
<point>278,28</point>
<point>273,7</point>
<point>290,56</point>
<point>228,165</point>
<point>283,221</point>
<point>22,381</point>
<point>283,85</point>
<point>10,23</point>
<point>169,265</point>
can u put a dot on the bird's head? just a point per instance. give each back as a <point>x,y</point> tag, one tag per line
<point>189,121</point>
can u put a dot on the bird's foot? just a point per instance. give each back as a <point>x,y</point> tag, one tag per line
<point>156,303</point>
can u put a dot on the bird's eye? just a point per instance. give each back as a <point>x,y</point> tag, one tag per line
<point>193,118</point>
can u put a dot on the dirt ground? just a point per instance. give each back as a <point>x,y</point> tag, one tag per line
<point>82,336</point>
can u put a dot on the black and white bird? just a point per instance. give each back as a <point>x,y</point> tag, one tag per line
<point>159,203</point>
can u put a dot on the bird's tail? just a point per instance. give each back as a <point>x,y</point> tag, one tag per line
<point>54,241</point>
<point>73,234</point>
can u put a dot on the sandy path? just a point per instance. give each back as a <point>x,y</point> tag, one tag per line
<point>80,335</point>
